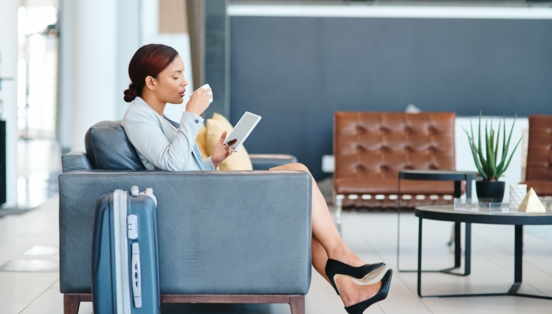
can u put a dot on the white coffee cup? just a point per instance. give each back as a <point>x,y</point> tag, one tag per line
<point>206,86</point>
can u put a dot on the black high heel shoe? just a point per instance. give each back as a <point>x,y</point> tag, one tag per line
<point>360,307</point>
<point>364,273</point>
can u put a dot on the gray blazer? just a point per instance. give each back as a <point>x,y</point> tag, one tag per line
<point>160,144</point>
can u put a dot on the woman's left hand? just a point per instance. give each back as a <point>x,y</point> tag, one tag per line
<point>222,151</point>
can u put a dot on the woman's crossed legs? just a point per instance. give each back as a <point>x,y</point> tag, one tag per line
<point>326,243</point>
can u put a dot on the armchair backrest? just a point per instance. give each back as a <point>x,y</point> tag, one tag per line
<point>380,144</point>
<point>373,147</point>
<point>539,153</point>
<point>108,147</point>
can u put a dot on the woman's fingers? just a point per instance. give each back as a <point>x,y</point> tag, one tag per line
<point>228,151</point>
<point>207,93</point>
<point>222,137</point>
<point>199,101</point>
<point>228,144</point>
<point>223,154</point>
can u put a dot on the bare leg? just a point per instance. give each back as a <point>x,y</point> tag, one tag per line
<point>319,258</point>
<point>323,228</point>
<point>326,243</point>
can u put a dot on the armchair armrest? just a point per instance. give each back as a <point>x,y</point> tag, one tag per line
<point>267,161</point>
<point>236,232</point>
<point>76,160</point>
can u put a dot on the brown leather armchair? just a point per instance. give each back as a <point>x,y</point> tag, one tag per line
<point>370,149</point>
<point>538,173</point>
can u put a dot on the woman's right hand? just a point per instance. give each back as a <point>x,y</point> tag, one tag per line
<point>199,102</point>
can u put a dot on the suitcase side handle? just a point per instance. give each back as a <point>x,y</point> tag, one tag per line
<point>136,276</point>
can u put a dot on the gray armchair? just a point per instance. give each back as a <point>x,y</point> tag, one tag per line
<point>224,236</point>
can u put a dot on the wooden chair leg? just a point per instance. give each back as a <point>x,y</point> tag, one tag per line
<point>297,304</point>
<point>71,303</point>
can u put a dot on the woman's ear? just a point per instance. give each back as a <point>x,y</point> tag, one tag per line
<point>150,82</point>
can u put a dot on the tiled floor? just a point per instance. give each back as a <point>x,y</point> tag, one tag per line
<point>371,235</point>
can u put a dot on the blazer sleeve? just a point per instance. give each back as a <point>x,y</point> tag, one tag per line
<point>145,133</point>
<point>209,163</point>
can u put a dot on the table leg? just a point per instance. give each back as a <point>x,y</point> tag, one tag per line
<point>457,239</point>
<point>467,253</point>
<point>457,189</point>
<point>398,223</point>
<point>518,259</point>
<point>518,253</point>
<point>457,235</point>
<point>457,231</point>
<point>420,256</point>
<point>518,268</point>
<point>457,245</point>
<point>458,251</point>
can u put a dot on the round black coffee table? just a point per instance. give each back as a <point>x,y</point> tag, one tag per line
<point>482,216</point>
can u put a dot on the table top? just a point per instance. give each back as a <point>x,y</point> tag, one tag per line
<point>437,175</point>
<point>448,213</point>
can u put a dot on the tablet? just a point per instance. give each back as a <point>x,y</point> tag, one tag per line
<point>241,131</point>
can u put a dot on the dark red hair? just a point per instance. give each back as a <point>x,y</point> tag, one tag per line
<point>149,60</point>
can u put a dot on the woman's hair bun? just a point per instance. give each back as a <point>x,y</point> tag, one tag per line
<point>130,93</point>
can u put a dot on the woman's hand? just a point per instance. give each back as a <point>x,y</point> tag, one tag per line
<point>222,151</point>
<point>199,101</point>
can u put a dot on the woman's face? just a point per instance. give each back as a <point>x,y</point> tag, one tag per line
<point>170,87</point>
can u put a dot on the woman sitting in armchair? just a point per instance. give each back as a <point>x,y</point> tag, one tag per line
<point>157,76</point>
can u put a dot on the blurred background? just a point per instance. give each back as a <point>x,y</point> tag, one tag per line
<point>63,67</point>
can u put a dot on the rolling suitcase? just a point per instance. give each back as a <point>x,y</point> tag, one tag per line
<point>125,266</point>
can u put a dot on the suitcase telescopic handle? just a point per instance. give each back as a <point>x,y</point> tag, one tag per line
<point>134,190</point>
<point>136,276</point>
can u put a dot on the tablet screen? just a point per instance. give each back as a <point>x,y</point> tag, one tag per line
<point>242,129</point>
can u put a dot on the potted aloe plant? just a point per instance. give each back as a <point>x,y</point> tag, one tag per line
<point>491,159</point>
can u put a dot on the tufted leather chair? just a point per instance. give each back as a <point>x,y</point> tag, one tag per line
<point>370,149</point>
<point>538,173</point>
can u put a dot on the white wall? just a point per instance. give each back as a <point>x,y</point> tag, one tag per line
<point>108,51</point>
<point>65,86</point>
<point>128,41</point>
<point>98,39</point>
<point>94,65</point>
<point>8,94</point>
<point>180,42</point>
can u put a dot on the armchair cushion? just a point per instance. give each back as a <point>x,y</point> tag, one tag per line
<point>107,147</point>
